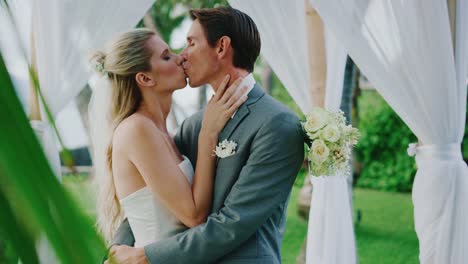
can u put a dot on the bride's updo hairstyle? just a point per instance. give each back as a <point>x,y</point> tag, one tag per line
<point>124,57</point>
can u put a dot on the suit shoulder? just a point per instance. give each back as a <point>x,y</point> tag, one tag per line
<point>275,110</point>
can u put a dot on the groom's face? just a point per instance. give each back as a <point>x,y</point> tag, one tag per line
<point>201,60</point>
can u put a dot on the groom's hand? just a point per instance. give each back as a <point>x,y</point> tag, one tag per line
<point>127,255</point>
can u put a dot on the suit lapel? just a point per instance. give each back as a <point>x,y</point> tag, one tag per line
<point>241,114</point>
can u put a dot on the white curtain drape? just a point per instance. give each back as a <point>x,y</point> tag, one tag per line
<point>405,50</point>
<point>9,46</point>
<point>284,43</point>
<point>330,232</point>
<point>65,32</point>
<point>284,46</point>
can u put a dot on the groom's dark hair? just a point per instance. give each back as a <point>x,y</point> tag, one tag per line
<point>226,21</point>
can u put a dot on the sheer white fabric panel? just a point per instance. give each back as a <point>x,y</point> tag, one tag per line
<point>284,43</point>
<point>405,49</point>
<point>65,34</point>
<point>330,237</point>
<point>330,233</point>
<point>284,47</point>
<point>21,11</point>
<point>336,62</point>
<point>11,46</point>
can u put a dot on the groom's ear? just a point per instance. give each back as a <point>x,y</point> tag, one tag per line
<point>223,48</point>
<point>144,79</point>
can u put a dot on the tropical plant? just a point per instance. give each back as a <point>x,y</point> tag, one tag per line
<point>165,17</point>
<point>34,203</point>
<point>382,147</point>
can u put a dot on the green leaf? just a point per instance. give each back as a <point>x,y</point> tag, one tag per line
<point>38,202</point>
<point>17,235</point>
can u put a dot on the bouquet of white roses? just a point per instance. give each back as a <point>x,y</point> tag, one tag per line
<point>331,140</point>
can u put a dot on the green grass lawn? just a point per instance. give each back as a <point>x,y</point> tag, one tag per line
<point>385,234</point>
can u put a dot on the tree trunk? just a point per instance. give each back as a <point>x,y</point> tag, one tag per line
<point>346,107</point>
<point>355,119</point>
<point>348,89</point>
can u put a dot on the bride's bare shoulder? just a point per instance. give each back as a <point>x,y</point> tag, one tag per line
<point>135,127</point>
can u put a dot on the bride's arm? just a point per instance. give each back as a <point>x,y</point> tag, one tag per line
<point>148,152</point>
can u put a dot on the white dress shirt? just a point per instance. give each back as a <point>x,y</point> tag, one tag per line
<point>248,81</point>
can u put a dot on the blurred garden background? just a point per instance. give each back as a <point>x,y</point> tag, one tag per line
<point>383,173</point>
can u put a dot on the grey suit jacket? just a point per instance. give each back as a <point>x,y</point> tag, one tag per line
<point>251,190</point>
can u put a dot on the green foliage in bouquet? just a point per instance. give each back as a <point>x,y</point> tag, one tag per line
<point>382,147</point>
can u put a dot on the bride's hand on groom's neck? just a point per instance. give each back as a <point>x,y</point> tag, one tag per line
<point>222,106</point>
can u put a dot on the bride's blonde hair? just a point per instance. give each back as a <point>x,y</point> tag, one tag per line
<point>126,55</point>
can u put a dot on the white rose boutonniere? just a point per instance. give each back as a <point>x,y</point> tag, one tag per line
<point>225,149</point>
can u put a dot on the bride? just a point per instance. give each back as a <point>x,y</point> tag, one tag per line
<point>143,176</point>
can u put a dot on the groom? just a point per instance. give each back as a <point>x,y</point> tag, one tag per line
<point>252,186</point>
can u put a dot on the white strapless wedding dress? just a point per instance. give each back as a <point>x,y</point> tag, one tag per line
<point>149,219</point>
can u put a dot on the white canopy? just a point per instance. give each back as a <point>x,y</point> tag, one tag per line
<point>405,49</point>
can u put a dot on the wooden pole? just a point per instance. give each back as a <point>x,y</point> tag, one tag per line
<point>318,80</point>
<point>452,12</point>
<point>318,77</point>
<point>34,107</point>
<point>317,55</point>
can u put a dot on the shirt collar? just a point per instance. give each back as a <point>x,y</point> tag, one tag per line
<point>248,81</point>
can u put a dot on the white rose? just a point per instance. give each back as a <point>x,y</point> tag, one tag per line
<point>319,151</point>
<point>331,133</point>
<point>313,135</point>
<point>315,120</point>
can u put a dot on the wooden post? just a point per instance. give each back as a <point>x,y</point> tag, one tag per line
<point>452,13</point>
<point>318,80</point>
<point>34,107</point>
<point>317,55</point>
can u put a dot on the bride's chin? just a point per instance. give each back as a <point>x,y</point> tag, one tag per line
<point>185,83</point>
<point>182,86</point>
